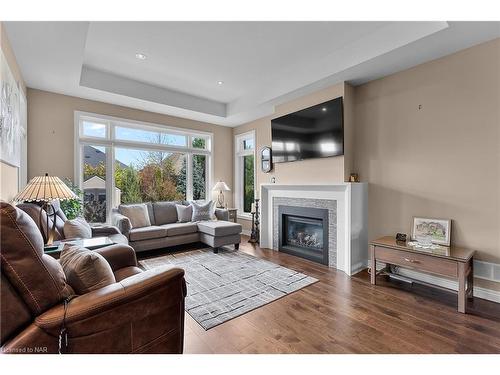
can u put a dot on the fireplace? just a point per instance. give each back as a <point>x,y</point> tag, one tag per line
<point>303,231</point>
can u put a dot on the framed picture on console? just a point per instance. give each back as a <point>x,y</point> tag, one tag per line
<point>439,230</point>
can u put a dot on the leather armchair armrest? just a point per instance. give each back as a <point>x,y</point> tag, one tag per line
<point>111,297</point>
<point>123,317</point>
<point>118,256</point>
<point>104,230</point>
<point>122,222</point>
<point>222,214</point>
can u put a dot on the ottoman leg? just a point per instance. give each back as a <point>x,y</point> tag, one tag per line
<point>216,250</point>
<point>236,246</point>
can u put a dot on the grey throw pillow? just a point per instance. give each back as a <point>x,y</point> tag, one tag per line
<point>77,228</point>
<point>184,213</point>
<point>203,212</point>
<point>137,214</point>
<point>85,269</point>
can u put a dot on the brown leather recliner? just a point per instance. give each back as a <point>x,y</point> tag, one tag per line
<point>39,216</point>
<point>143,312</point>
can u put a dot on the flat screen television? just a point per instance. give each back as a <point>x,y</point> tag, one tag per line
<point>314,132</point>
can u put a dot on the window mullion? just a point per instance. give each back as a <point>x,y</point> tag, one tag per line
<point>189,176</point>
<point>110,181</point>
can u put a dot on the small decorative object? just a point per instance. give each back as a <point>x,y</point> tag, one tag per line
<point>354,177</point>
<point>266,163</point>
<point>401,237</point>
<point>46,189</point>
<point>255,233</point>
<point>221,186</point>
<point>437,231</point>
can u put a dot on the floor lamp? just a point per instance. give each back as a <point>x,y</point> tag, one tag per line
<point>45,189</point>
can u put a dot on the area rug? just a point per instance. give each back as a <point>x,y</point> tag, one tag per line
<point>223,286</point>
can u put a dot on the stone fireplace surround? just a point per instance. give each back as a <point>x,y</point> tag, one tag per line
<point>351,218</point>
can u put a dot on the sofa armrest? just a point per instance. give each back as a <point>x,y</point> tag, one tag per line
<point>104,230</point>
<point>121,222</point>
<point>118,256</point>
<point>124,317</point>
<point>222,214</point>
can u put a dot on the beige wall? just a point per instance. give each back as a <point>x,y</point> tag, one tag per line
<point>9,175</point>
<point>312,171</point>
<point>442,160</point>
<point>51,133</point>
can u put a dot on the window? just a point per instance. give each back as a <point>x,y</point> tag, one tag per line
<point>244,173</point>
<point>93,129</point>
<point>149,176</point>
<point>120,161</point>
<point>94,183</point>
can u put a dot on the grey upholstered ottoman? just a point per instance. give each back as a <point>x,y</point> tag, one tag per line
<point>220,233</point>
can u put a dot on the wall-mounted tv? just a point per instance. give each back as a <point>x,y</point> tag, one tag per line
<point>314,132</point>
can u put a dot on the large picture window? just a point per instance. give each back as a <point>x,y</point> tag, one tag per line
<point>244,173</point>
<point>119,161</point>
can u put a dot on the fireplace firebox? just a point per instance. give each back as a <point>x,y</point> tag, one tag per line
<point>303,231</point>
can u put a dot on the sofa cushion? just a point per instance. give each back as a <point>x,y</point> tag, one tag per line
<point>85,269</point>
<point>176,229</point>
<point>146,233</point>
<point>184,213</point>
<point>219,228</point>
<point>77,228</point>
<point>137,214</point>
<point>165,212</point>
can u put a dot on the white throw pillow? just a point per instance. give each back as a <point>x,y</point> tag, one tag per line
<point>184,213</point>
<point>77,228</point>
<point>137,214</point>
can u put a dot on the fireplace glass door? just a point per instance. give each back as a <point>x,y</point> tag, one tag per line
<point>304,232</point>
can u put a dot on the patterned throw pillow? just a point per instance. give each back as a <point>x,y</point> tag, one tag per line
<point>184,213</point>
<point>202,212</point>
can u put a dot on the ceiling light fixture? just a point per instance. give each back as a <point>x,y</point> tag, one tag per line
<point>220,82</point>
<point>323,109</point>
<point>140,56</point>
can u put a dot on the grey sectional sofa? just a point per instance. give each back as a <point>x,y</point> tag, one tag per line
<point>166,231</point>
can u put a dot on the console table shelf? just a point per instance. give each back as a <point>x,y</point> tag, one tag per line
<point>452,262</point>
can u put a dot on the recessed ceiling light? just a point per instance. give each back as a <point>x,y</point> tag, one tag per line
<point>220,83</point>
<point>140,56</point>
<point>323,109</point>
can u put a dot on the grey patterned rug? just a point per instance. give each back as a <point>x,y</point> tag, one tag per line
<point>223,286</point>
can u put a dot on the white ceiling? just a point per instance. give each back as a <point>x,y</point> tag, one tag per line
<point>262,64</point>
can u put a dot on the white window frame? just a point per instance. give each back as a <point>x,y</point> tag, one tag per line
<point>239,153</point>
<point>110,142</point>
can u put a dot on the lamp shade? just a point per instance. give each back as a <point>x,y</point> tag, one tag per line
<point>221,186</point>
<point>45,189</point>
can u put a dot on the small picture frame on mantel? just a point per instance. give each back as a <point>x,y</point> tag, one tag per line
<point>439,230</point>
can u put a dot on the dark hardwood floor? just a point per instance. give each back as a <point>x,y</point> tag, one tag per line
<point>339,314</point>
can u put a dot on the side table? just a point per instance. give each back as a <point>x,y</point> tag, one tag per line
<point>233,214</point>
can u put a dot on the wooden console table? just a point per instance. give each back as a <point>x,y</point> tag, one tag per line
<point>452,262</point>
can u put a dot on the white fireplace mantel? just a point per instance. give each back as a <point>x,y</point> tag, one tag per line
<point>352,218</point>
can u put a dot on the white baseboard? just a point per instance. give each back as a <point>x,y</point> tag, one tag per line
<point>358,267</point>
<point>246,232</point>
